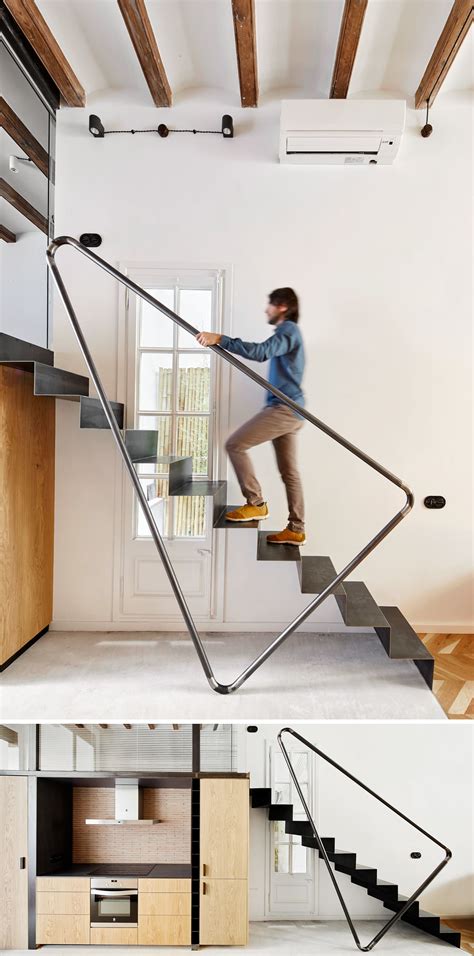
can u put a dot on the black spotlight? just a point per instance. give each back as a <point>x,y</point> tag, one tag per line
<point>227,126</point>
<point>95,127</point>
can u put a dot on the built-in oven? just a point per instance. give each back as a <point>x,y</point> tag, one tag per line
<point>114,902</point>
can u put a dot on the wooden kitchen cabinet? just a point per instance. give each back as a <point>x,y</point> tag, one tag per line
<point>224,840</point>
<point>164,912</point>
<point>62,910</point>
<point>224,851</point>
<point>13,863</point>
<point>111,936</point>
<point>27,439</point>
<point>224,913</point>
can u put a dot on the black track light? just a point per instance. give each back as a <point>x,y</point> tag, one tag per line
<point>95,127</point>
<point>227,126</point>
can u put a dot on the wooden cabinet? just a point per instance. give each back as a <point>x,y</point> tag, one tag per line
<point>111,936</point>
<point>62,910</point>
<point>164,912</point>
<point>27,429</point>
<point>13,865</point>
<point>224,849</point>
<point>224,913</point>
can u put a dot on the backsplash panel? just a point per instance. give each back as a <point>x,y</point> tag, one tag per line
<point>166,842</point>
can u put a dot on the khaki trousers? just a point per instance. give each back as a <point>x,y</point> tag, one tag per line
<point>278,424</point>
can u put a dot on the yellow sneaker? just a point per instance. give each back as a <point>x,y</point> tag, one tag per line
<point>287,537</point>
<point>248,513</point>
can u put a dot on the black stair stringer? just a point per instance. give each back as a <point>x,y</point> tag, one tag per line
<point>345,862</point>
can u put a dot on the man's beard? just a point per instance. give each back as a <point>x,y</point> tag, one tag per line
<point>274,320</point>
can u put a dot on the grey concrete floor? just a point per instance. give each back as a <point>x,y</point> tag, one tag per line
<point>331,938</point>
<point>89,676</point>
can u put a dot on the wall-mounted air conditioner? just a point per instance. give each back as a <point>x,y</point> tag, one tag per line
<point>341,132</point>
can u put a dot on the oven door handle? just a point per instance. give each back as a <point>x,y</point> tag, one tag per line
<point>115,893</point>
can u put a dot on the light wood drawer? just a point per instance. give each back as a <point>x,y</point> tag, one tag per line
<point>164,886</point>
<point>63,884</point>
<point>73,930</point>
<point>122,936</point>
<point>59,904</point>
<point>164,931</point>
<point>164,904</point>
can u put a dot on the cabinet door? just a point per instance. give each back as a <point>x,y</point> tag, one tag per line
<point>13,856</point>
<point>224,913</point>
<point>65,930</point>
<point>224,828</point>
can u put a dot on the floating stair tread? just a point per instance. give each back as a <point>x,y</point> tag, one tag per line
<point>315,573</point>
<point>13,349</point>
<point>404,642</point>
<point>261,797</point>
<point>92,414</point>
<point>346,857</point>
<point>223,523</point>
<point>54,382</point>
<point>360,609</point>
<point>198,486</point>
<point>141,444</point>
<point>299,828</point>
<point>275,552</point>
<point>280,811</point>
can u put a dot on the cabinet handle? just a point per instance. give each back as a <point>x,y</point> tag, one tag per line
<point>203,889</point>
<point>203,869</point>
<point>22,862</point>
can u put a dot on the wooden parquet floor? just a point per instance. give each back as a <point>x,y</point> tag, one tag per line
<point>466,928</point>
<point>453,683</point>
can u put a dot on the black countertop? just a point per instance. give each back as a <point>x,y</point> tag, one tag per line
<point>159,871</point>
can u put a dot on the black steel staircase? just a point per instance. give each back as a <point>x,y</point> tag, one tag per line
<point>357,606</point>
<point>344,861</point>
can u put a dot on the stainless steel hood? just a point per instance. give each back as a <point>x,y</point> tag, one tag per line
<point>128,806</point>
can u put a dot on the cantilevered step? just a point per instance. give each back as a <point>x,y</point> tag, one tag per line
<point>402,643</point>
<point>261,797</point>
<point>382,890</point>
<point>315,573</point>
<point>359,608</point>
<point>329,844</point>
<point>141,445</point>
<point>12,349</point>
<point>92,415</point>
<point>222,522</point>
<point>299,827</point>
<point>280,811</point>
<point>275,552</point>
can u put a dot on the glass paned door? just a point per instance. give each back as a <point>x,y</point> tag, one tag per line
<point>172,389</point>
<point>292,866</point>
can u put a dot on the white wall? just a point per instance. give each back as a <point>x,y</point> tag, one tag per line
<point>381,260</point>
<point>425,771</point>
<point>24,287</point>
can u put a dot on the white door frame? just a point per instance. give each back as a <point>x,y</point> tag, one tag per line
<point>220,413</point>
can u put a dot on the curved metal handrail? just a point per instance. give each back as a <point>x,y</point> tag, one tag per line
<point>191,627</point>
<point>322,849</point>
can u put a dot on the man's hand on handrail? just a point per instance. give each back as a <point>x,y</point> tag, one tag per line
<point>208,338</point>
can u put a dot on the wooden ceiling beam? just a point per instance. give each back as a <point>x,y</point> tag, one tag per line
<point>6,235</point>
<point>349,36</point>
<point>454,31</point>
<point>37,32</point>
<point>140,30</point>
<point>22,136</point>
<point>246,46</point>
<point>127,726</point>
<point>22,205</point>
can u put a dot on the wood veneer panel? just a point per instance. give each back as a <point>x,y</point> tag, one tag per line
<point>63,904</point>
<point>13,880</point>
<point>63,884</point>
<point>224,913</point>
<point>123,936</point>
<point>224,828</point>
<point>65,930</point>
<point>164,931</point>
<point>164,886</point>
<point>164,904</point>
<point>27,430</point>
<point>246,47</point>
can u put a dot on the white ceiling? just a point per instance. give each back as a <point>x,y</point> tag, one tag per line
<point>296,44</point>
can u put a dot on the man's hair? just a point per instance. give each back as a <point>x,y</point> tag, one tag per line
<point>286,297</point>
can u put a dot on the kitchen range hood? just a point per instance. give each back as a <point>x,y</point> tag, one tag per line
<point>128,806</point>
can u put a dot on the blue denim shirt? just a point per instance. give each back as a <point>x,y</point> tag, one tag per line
<point>285,350</point>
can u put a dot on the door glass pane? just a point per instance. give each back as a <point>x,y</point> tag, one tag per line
<point>300,764</point>
<point>281,858</point>
<point>156,372</point>
<point>194,380</point>
<point>280,770</point>
<point>163,425</point>
<point>281,793</point>
<point>189,517</point>
<point>192,439</point>
<point>297,805</point>
<point>159,507</point>
<point>156,329</point>
<point>298,858</point>
<point>195,305</point>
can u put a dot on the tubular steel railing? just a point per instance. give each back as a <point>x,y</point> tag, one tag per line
<point>391,922</point>
<point>182,603</point>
